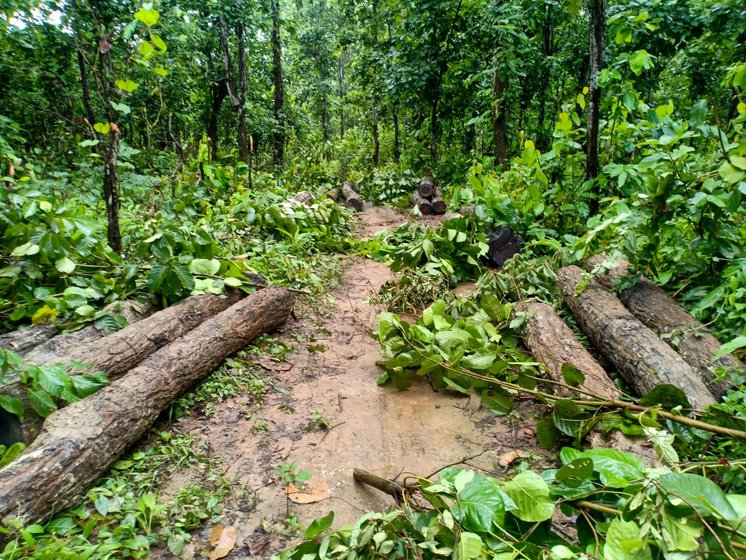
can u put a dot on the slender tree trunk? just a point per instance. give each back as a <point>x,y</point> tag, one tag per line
<point>376,139</point>
<point>499,120</point>
<point>278,153</point>
<point>548,45</point>
<point>434,119</point>
<point>397,149</point>
<point>219,92</point>
<point>325,122</point>
<point>85,85</point>
<point>111,190</point>
<point>596,54</point>
<point>243,135</point>
<point>341,92</point>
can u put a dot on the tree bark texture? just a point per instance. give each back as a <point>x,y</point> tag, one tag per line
<point>596,58</point>
<point>438,202</point>
<point>351,197</point>
<point>278,153</point>
<point>554,344</point>
<point>119,352</point>
<point>499,117</point>
<point>397,148</point>
<point>426,208</point>
<point>219,92</point>
<point>111,190</point>
<point>78,443</point>
<point>690,338</point>
<point>376,139</point>
<point>643,359</point>
<point>427,186</point>
<point>86,90</point>
<point>24,340</point>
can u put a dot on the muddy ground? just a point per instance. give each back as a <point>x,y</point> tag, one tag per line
<point>332,373</point>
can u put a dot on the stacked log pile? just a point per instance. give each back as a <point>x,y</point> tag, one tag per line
<point>172,352</point>
<point>428,197</point>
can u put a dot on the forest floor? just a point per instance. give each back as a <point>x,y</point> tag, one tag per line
<point>330,376</point>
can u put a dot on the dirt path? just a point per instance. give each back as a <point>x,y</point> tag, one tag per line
<point>381,429</point>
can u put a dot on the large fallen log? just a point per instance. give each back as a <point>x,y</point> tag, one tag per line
<point>554,344</point>
<point>351,197</point>
<point>424,205</point>
<point>660,312</point>
<point>120,351</point>
<point>438,202</point>
<point>643,359</point>
<point>79,442</point>
<point>24,340</point>
<point>427,186</point>
<point>61,345</point>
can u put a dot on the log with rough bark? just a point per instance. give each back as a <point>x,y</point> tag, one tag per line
<point>24,340</point>
<point>427,186</point>
<point>422,203</point>
<point>660,312</point>
<point>79,442</point>
<point>351,197</point>
<point>304,197</point>
<point>60,346</point>
<point>118,352</point>
<point>438,203</point>
<point>642,358</point>
<point>553,344</point>
<point>333,194</point>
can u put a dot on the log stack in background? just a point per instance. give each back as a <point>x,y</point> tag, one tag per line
<point>428,197</point>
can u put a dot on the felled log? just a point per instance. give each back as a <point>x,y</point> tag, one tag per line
<point>438,203</point>
<point>351,197</point>
<point>660,312</point>
<point>61,345</point>
<point>118,352</point>
<point>79,442</point>
<point>503,243</point>
<point>554,344</point>
<point>24,340</point>
<point>333,194</point>
<point>643,359</point>
<point>427,186</point>
<point>422,203</point>
<point>303,197</point>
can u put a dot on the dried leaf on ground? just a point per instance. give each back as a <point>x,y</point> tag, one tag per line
<point>223,538</point>
<point>315,494</point>
<point>507,458</point>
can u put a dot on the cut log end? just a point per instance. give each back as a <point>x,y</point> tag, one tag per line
<point>351,198</point>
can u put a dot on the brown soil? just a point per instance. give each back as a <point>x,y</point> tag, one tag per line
<point>381,429</point>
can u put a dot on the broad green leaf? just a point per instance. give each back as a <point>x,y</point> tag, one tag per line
<point>469,546</point>
<point>232,282</point>
<point>681,533</point>
<point>615,468</point>
<point>41,402</point>
<point>146,50</point>
<point>478,361</point>
<point>162,72</point>
<point>88,143</point>
<point>102,128</point>
<point>319,525</point>
<point>497,403</point>
<point>666,395</point>
<point>12,405</point>
<point>121,107</point>
<point>147,16</point>
<point>158,42</point>
<point>730,347</point>
<point>576,472</point>
<point>156,277</point>
<point>126,85</point>
<point>25,250</point>
<point>65,265</point>
<point>530,493</point>
<point>699,493</point>
<point>572,375</point>
<point>482,503</point>
<point>11,453</point>
<point>85,310</point>
<point>623,542</point>
<point>51,379</point>
<point>204,266</point>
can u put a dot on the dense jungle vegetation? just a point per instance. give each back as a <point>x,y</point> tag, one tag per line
<point>153,149</point>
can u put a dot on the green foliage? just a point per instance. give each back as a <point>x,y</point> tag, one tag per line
<point>122,517</point>
<point>45,386</point>
<point>413,290</point>
<point>651,513</point>
<point>389,187</point>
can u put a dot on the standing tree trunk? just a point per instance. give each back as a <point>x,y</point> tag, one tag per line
<point>596,55</point>
<point>87,103</point>
<point>244,149</point>
<point>219,92</point>
<point>376,139</point>
<point>499,120</point>
<point>548,45</point>
<point>341,93</point>
<point>397,149</point>
<point>278,153</point>
<point>111,190</point>
<point>325,121</point>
